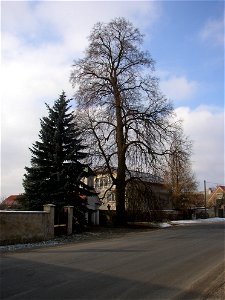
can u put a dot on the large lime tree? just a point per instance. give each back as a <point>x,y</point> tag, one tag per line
<point>126,118</point>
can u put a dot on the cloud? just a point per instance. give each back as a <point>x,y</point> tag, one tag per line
<point>39,42</point>
<point>70,22</point>
<point>178,87</point>
<point>213,32</point>
<point>205,126</point>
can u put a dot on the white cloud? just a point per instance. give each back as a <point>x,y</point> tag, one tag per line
<point>18,17</point>
<point>205,126</point>
<point>213,32</point>
<point>39,42</point>
<point>178,87</point>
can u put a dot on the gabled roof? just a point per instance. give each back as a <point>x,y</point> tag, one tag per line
<point>219,187</point>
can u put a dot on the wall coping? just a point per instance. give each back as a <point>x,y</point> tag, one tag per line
<point>24,211</point>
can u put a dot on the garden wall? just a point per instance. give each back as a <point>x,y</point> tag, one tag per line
<point>26,226</point>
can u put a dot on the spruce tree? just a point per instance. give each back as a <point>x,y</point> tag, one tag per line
<point>56,164</point>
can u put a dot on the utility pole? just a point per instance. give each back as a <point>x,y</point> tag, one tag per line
<point>205,196</point>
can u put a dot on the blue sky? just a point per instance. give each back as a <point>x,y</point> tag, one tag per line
<point>178,45</point>
<point>40,39</point>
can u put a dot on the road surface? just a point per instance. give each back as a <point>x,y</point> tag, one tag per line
<point>174,263</point>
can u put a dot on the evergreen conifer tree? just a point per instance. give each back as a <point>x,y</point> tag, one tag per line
<point>56,163</point>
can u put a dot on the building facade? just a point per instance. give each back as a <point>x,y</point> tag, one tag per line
<point>154,189</point>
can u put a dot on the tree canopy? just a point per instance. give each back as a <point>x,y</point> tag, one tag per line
<point>125,116</point>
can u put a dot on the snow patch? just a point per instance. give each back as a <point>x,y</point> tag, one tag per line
<point>198,221</point>
<point>164,225</point>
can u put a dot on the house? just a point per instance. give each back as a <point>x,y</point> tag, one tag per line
<point>151,185</point>
<point>93,204</point>
<point>10,202</point>
<point>217,200</point>
<point>102,183</point>
<point>93,201</point>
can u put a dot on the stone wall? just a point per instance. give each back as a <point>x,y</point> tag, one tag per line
<point>26,226</point>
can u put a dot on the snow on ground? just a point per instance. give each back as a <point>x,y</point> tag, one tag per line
<point>54,242</point>
<point>184,222</point>
<point>197,221</point>
<point>161,225</point>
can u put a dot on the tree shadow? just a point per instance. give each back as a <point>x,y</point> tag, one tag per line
<point>29,279</point>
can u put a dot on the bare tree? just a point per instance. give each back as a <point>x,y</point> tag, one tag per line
<point>143,203</point>
<point>178,174</point>
<point>126,118</point>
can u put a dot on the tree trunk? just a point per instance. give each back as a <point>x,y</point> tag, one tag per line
<point>120,203</point>
<point>121,169</point>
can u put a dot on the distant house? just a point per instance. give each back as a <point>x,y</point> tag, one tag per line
<point>217,200</point>
<point>93,202</point>
<point>154,186</point>
<point>10,203</point>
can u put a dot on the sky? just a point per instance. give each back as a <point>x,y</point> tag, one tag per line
<point>40,40</point>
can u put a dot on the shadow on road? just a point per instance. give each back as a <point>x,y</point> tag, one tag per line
<point>25,279</point>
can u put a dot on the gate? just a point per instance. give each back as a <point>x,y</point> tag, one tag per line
<point>61,221</point>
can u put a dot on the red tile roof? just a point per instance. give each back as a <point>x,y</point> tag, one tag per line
<point>11,200</point>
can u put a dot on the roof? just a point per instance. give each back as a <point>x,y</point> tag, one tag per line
<point>11,200</point>
<point>215,192</point>
<point>146,177</point>
<point>222,187</point>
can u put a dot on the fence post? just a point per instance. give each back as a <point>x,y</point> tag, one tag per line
<point>50,208</point>
<point>69,210</point>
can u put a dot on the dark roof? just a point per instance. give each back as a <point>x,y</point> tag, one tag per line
<point>222,187</point>
<point>146,177</point>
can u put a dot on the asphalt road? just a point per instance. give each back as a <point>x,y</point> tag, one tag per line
<point>174,263</point>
